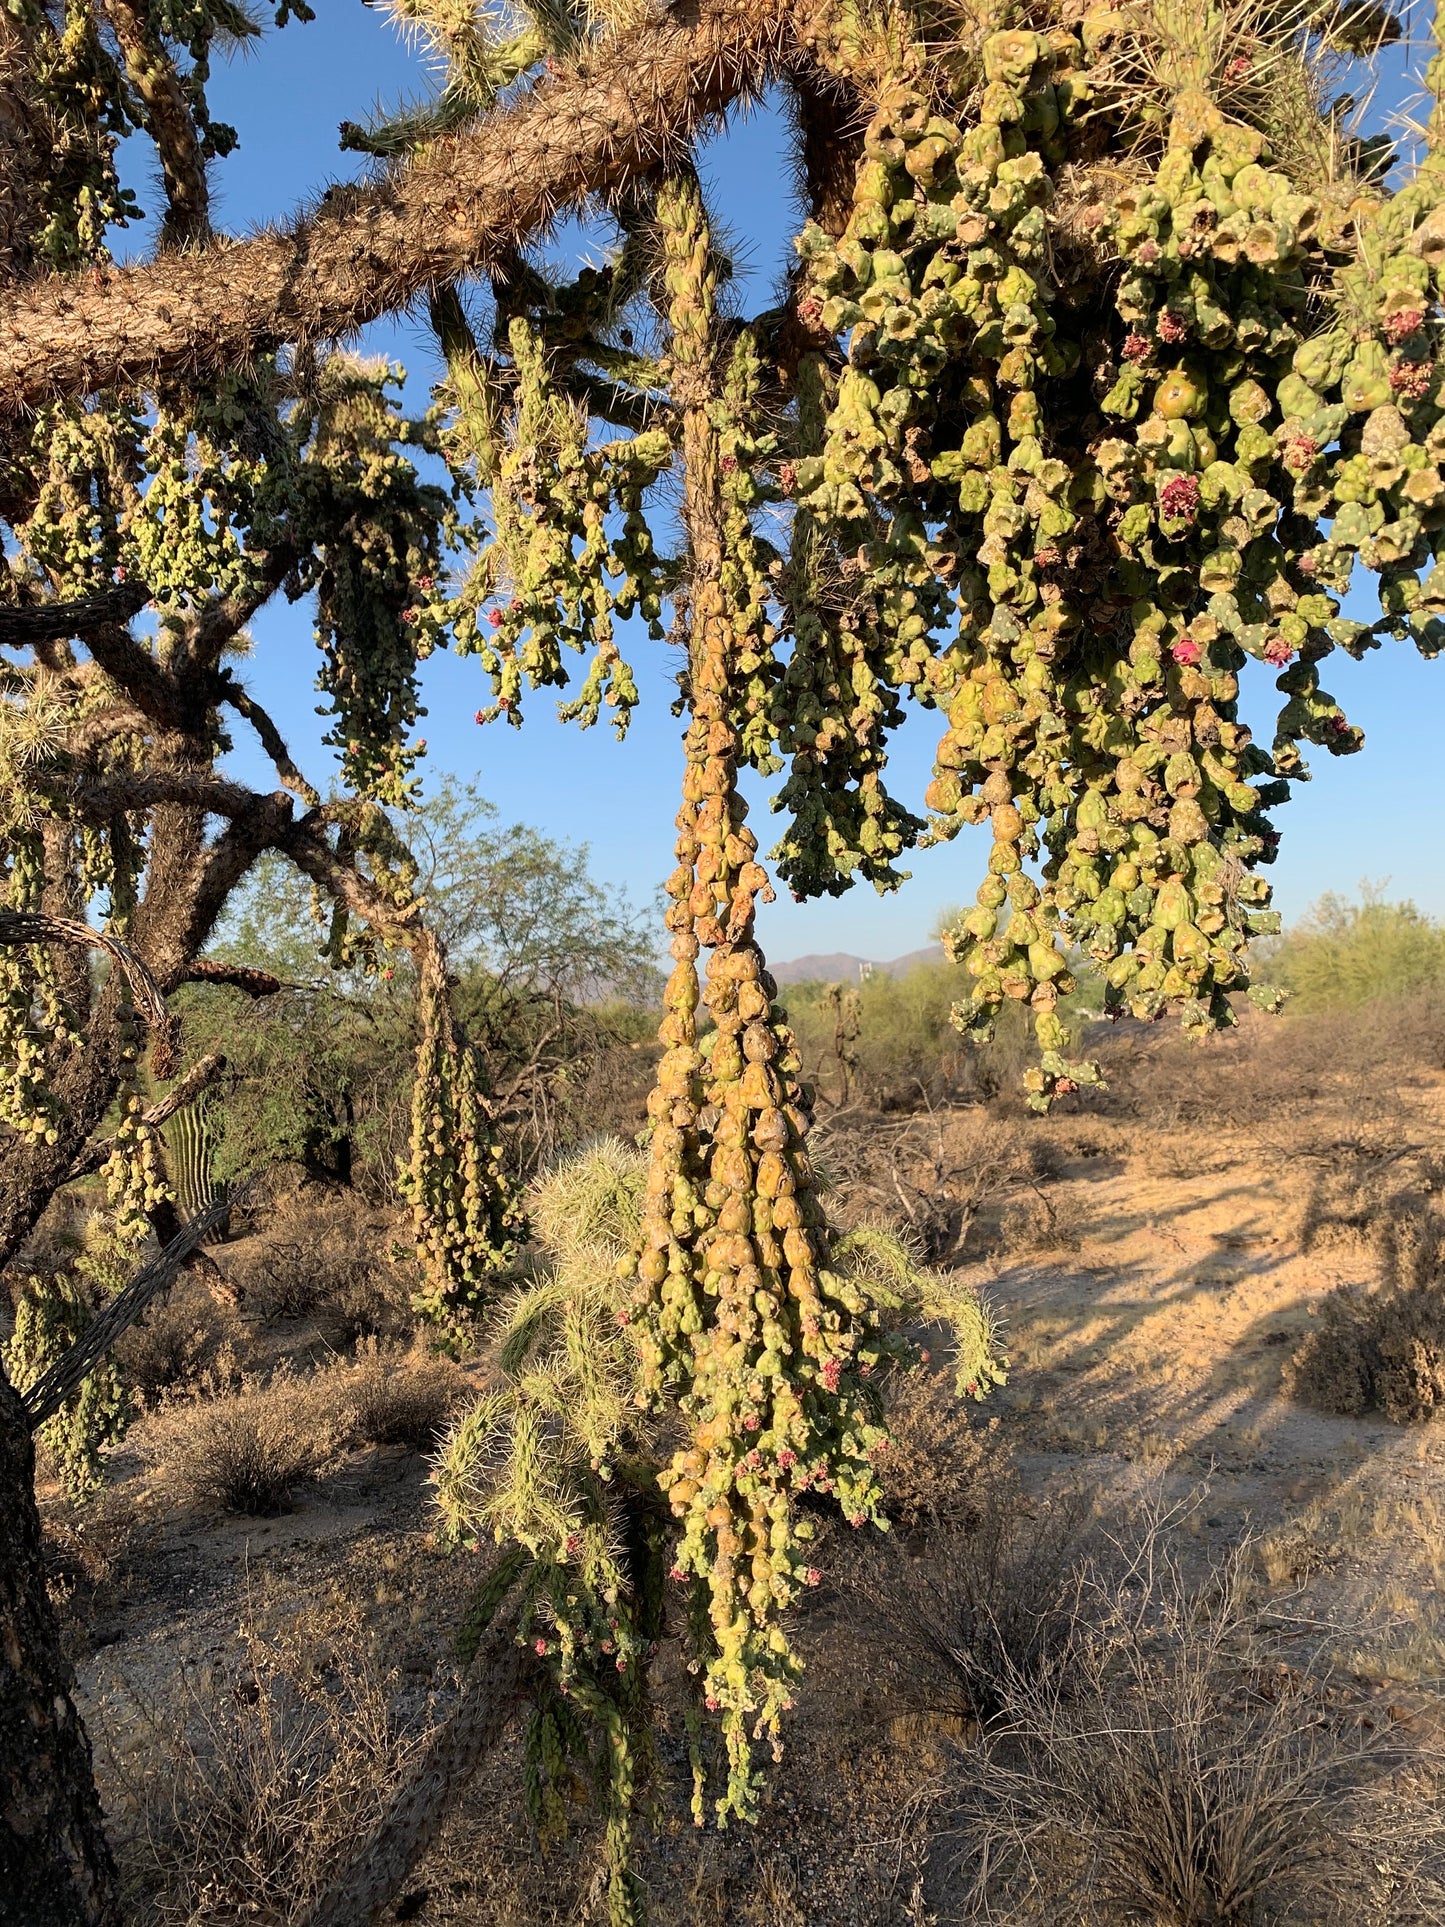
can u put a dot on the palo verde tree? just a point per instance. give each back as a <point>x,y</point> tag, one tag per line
<point>1108,358</point>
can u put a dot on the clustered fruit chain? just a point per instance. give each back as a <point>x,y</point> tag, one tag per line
<point>1117,364</point>
<point>736,1311</point>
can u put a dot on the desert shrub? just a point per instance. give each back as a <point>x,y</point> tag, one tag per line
<point>1043,1221</point>
<point>932,1469</point>
<point>992,1600</point>
<point>322,1249</point>
<point>1147,1770</point>
<point>252,1790</point>
<point>907,1052</point>
<point>402,1396</point>
<point>250,1452</point>
<point>183,1346</point>
<point>1343,954</point>
<point>1374,1351</point>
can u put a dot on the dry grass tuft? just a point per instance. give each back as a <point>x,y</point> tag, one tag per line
<point>246,1796</point>
<point>1153,1768</point>
<point>992,1600</point>
<point>403,1396</point>
<point>251,1452</point>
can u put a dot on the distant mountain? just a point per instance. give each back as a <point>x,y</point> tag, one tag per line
<point>838,967</point>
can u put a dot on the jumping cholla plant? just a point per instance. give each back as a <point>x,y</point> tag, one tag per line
<point>561,1468</point>
<point>1109,352</point>
<point>52,1314</point>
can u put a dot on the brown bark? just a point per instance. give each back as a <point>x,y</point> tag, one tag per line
<point>55,1866</point>
<point>366,251</point>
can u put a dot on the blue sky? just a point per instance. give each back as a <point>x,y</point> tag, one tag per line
<point>1375,815</point>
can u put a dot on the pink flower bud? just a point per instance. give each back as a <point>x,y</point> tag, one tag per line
<point>1179,498</point>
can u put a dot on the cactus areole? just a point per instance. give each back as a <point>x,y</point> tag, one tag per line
<point>1107,368</point>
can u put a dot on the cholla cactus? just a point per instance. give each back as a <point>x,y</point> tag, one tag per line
<point>561,1465</point>
<point>52,1315</point>
<point>463,1201</point>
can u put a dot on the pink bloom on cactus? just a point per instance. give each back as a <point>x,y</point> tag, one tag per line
<point>408,615</point>
<point>1308,565</point>
<point>812,1577</point>
<point>1171,328</point>
<point>1237,68</point>
<point>621,1664</point>
<point>553,65</point>
<point>1186,652</point>
<point>424,582</point>
<point>787,478</point>
<point>1136,346</point>
<point>787,1458</point>
<point>1065,1087</point>
<point>479,717</point>
<point>504,702</point>
<point>753,1460</point>
<point>494,616</point>
<point>1148,253</point>
<point>1179,498</point>
<point>120,572</point>
<point>1300,452</point>
<point>676,1572</point>
<point>750,1423</point>
<point>729,464</point>
<point>1337,725</point>
<point>830,1373</point>
<point>624,1317</point>
<point>856,1519</point>
<point>539,1646</point>
<point>712,1703</point>
<point>573,1544</point>
<point>1277,651</point>
<point>1411,379</point>
<point>810,311</point>
<point>1403,323</point>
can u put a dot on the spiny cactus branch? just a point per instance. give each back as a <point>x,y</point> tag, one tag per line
<point>366,251</point>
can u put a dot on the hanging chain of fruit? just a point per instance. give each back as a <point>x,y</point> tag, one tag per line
<point>740,1319</point>
<point>463,1202</point>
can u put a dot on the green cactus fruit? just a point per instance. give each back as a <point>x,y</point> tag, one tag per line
<point>1182,395</point>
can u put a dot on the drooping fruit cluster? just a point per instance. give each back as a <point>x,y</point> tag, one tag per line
<point>1128,500</point>
<point>464,1206</point>
<point>739,1317</point>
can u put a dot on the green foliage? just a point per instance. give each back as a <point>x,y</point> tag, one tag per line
<point>52,1315</point>
<point>552,971</point>
<point>1343,954</point>
<point>907,1049</point>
